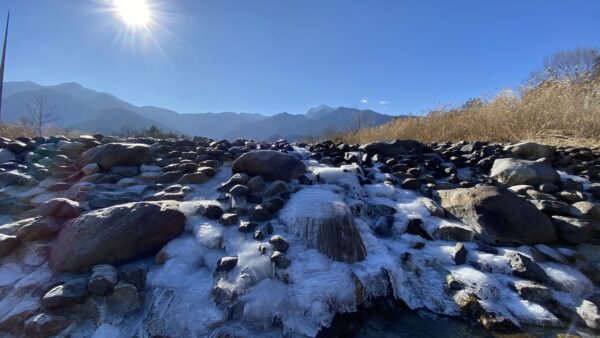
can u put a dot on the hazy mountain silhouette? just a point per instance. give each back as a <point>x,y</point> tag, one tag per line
<point>319,111</point>
<point>314,123</point>
<point>88,110</point>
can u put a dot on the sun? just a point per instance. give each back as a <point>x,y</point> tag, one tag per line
<point>133,12</point>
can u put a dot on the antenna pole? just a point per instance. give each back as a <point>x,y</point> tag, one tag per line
<point>2,62</point>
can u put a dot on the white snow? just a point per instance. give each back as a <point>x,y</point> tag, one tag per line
<point>568,279</point>
<point>305,297</point>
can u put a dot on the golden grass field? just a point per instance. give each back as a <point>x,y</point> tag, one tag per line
<point>554,112</point>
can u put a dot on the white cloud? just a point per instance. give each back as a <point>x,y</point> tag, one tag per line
<point>384,102</point>
<point>364,101</point>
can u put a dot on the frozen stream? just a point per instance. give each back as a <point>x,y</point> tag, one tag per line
<point>259,300</point>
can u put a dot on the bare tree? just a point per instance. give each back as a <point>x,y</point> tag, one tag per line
<point>41,113</point>
<point>573,65</point>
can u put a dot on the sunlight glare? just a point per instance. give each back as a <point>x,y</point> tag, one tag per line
<point>133,12</point>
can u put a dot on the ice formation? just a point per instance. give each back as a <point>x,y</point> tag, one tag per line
<point>179,297</point>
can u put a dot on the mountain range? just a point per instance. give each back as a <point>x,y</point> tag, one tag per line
<point>88,110</point>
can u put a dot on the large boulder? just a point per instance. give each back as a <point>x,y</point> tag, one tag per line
<point>116,234</point>
<point>114,154</point>
<point>530,150</point>
<point>498,216</point>
<point>396,148</point>
<point>322,219</point>
<point>511,171</point>
<point>271,165</point>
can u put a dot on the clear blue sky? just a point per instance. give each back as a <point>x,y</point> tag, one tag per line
<point>288,55</point>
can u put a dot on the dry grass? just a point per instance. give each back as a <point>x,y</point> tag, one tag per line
<point>14,130</point>
<point>557,112</point>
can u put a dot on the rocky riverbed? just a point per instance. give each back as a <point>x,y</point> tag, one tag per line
<point>109,237</point>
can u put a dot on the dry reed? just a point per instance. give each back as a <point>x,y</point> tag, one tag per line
<point>555,112</point>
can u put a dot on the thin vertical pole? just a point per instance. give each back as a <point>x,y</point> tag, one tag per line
<point>2,62</point>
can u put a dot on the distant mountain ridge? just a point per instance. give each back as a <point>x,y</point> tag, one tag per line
<point>92,111</point>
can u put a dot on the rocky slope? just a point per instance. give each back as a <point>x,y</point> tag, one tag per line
<point>184,238</point>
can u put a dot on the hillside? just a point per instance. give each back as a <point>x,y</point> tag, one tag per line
<point>82,108</point>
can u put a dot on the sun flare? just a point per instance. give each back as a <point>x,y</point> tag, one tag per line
<point>133,12</point>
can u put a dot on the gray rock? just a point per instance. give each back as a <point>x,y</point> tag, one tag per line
<point>225,264</point>
<point>571,196</point>
<point>208,171</point>
<point>239,178</point>
<point>587,210</point>
<point>229,219</point>
<point>170,176</point>
<point>530,150</point>
<point>125,298</point>
<point>532,291</point>
<point>193,178</point>
<point>548,188</point>
<point>38,228</point>
<point>15,178</point>
<point>280,260</point>
<point>275,188</point>
<point>521,189</point>
<point>13,206</point>
<point>271,165</point>
<point>134,274</point>
<point>552,207</point>
<point>212,211</point>
<point>125,170</point>
<point>498,216</point>
<point>239,190</point>
<point>8,244</point>
<point>434,208</point>
<point>510,171</point>
<point>45,325</point>
<point>90,169</point>
<point>594,189</point>
<point>396,148</point>
<point>116,154</point>
<point>574,230</point>
<point>259,214</point>
<point>116,234</point>
<point>273,204</point>
<point>256,183</point>
<point>279,243</point>
<point>259,235</point>
<point>103,279</point>
<point>324,222</point>
<point>15,310</point>
<point>60,208</point>
<point>71,148</point>
<point>6,155</point>
<point>524,267</point>
<point>72,292</point>
<point>411,184</point>
<point>247,226</point>
<point>453,232</point>
<point>460,254</point>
